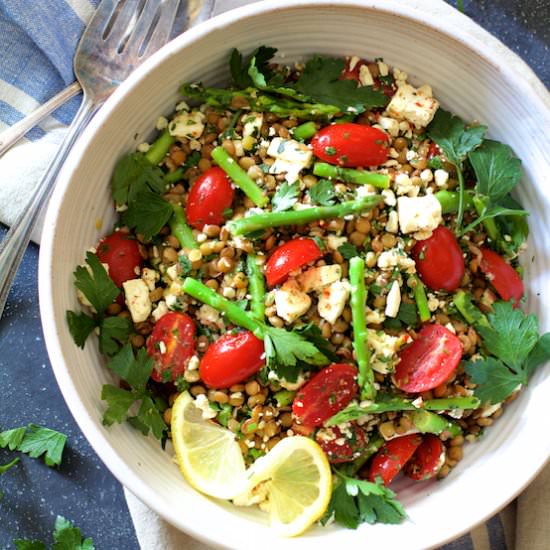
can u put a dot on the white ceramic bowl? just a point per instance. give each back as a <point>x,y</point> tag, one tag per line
<point>474,76</point>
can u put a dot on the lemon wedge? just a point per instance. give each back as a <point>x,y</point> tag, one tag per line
<point>207,454</point>
<point>292,482</point>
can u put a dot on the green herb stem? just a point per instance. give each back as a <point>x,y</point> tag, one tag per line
<point>365,378</point>
<point>466,308</point>
<point>461,199</point>
<point>179,227</point>
<point>174,176</point>
<point>301,217</point>
<point>240,178</point>
<point>480,204</point>
<point>160,148</point>
<point>421,301</point>
<point>305,130</point>
<point>256,287</point>
<point>350,175</point>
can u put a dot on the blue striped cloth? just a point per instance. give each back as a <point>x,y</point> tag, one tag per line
<point>38,41</point>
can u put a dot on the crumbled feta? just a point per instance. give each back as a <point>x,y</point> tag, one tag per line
<point>202,403</point>
<point>290,302</point>
<point>150,276</point>
<point>290,156</point>
<point>405,185</point>
<point>489,410</point>
<point>252,124</point>
<point>193,363</point>
<point>365,78</point>
<point>143,147</point>
<point>441,177</point>
<point>353,62</point>
<point>396,257</point>
<point>389,197</point>
<point>374,316</point>
<point>363,191</point>
<point>393,300</point>
<point>414,105</point>
<point>162,123</point>
<point>419,214</point>
<point>426,175</point>
<point>316,278</point>
<point>384,349</point>
<point>137,299</point>
<point>392,225</point>
<point>382,68</point>
<point>159,311</point>
<point>391,125</point>
<point>187,125</point>
<point>207,314</point>
<point>332,300</point>
<point>334,242</point>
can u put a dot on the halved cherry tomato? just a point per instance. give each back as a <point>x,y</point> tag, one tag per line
<point>351,145</point>
<point>171,344</point>
<point>232,359</point>
<point>329,391</point>
<point>427,460</point>
<point>439,260</point>
<point>211,194</point>
<point>502,276</point>
<point>429,360</point>
<point>121,253</point>
<point>342,447</point>
<point>289,257</point>
<point>392,456</point>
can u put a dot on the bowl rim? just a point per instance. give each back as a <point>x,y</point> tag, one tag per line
<point>442,18</point>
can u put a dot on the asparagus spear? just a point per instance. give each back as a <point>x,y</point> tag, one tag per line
<point>449,201</point>
<point>160,148</point>
<point>256,287</point>
<point>431,423</point>
<point>472,315</point>
<point>421,301</point>
<point>365,379</point>
<point>301,217</point>
<point>305,130</point>
<point>179,227</point>
<point>240,178</point>
<point>351,175</point>
<point>392,404</point>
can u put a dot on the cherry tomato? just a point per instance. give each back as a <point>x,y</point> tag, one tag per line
<point>329,391</point>
<point>211,194</point>
<point>351,145</point>
<point>171,344</point>
<point>502,276</point>
<point>232,359</point>
<point>342,447</point>
<point>392,456</point>
<point>290,257</point>
<point>429,360</point>
<point>121,253</point>
<point>439,260</point>
<point>427,460</point>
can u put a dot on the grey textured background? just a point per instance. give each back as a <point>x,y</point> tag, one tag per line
<point>82,489</point>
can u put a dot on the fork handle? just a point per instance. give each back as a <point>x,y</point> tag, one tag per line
<point>14,133</point>
<point>12,248</point>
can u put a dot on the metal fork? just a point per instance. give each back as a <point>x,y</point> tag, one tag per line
<point>120,35</point>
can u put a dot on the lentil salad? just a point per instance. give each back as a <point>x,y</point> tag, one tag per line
<point>364,239</point>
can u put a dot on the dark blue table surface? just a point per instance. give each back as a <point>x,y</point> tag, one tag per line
<point>82,489</point>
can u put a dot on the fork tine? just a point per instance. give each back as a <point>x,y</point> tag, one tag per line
<point>160,30</point>
<point>126,14</point>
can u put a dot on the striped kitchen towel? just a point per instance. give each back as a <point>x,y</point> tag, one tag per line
<point>37,41</point>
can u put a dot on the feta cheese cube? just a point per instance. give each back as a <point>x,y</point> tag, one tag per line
<point>389,197</point>
<point>421,214</point>
<point>252,124</point>
<point>150,276</point>
<point>392,225</point>
<point>365,78</point>
<point>290,156</point>
<point>332,300</point>
<point>441,177</point>
<point>393,300</point>
<point>187,125</point>
<point>136,295</point>
<point>396,257</point>
<point>290,302</point>
<point>317,278</point>
<point>414,105</point>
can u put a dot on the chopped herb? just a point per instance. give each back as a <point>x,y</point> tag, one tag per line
<point>185,264</point>
<point>147,213</point>
<point>66,537</point>
<point>323,193</point>
<point>348,251</point>
<point>285,197</point>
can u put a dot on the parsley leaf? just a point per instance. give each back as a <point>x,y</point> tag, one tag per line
<point>134,370</point>
<point>323,193</point>
<point>539,354</point>
<point>356,501</point>
<point>113,332</point>
<point>96,285</point>
<point>512,334</point>
<point>493,212</point>
<point>25,544</point>
<point>35,441</point>
<point>348,251</point>
<point>285,349</point>
<point>118,403</point>
<point>185,264</point>
<point>66,537</point>
<point>239,67</point>
<point>312,333</point>
<point>454,138</point>
<point>150,416</point>
<point>80,327</point>
<point>134,174</point>
<point>285,197</point>
<point>495,382</point>
<point>147,213</point>
<point>320,80</point>
<point>497,169</point>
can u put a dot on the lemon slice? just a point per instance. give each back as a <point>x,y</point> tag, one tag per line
<point>207,454</point>
<point>293,482</point>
